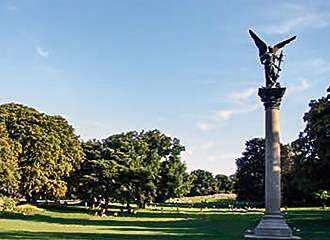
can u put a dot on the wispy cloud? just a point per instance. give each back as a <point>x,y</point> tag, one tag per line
<point>222,157</point>
<point>241,101</point>
<point>240,97</point>
<point>302,85</point>
<point>308,71</point>
<point>318,64</point>
<point>225,115</point>
<point>295,18</point>
<point>301,22</point>
<point>207,145</point>
<point>211,158</point>
<point>42,52</point>
<point>11,6</point>
<point>205,126</point>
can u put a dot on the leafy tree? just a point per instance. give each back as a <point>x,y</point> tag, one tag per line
<point>138,164</point>
<point>9,151</point>
<point>203,183</point>
<point>311,149</point>
<point>290,192</point>
<point>225,184</point>
<point>49,150</point>
<point>174,180</point>
<point>250,174</point>
<point>132,167</point>
<point>95,175</point>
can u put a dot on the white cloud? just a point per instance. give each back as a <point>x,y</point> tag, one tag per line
<point>41,52</point>
<point>318,64</point>
<point>296,23</point>
<point>222,157</point>
<point>304,84</point>
<point>242,101</point>
<point>205,126</point>
<point>300,87</point>
<point>225,114</point>
<point>211,158</point>
<point>296,17</point>
<point>240,97</point>
<point>307,72</point>
<point>207,145</point>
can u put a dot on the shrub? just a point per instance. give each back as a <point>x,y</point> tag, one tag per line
<point>28,209</point>
<point>7,204</point>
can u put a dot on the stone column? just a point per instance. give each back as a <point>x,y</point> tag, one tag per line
<point>272,225</point>
<point>272,100</point>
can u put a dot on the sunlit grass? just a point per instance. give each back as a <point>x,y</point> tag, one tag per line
<point>158,223</point>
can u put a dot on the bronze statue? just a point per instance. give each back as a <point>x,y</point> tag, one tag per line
<point>270,59</point>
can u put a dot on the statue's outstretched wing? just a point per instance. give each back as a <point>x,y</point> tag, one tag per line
<point>260,44</point>
<point>282,44</point>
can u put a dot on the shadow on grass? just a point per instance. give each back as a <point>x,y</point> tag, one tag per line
<point>113,221</point>
<point>198,227</point>
<point>90,236</point>
<point>311,226</point>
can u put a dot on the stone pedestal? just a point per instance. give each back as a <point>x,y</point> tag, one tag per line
<point>272,225</point>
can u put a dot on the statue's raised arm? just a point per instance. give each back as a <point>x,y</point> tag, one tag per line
<point>270,59</point>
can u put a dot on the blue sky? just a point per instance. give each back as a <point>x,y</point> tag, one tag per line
<point>188,68</point>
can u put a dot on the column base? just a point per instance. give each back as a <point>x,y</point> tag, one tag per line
<point>271,226</point>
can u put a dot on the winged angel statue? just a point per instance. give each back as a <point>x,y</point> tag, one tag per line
<point>270,59</point>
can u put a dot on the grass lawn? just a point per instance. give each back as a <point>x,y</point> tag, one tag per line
<point>189,223</point>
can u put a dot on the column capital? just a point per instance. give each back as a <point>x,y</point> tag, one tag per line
<point>271,97</point>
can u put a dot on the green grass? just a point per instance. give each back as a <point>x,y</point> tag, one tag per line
<point>189,223</point>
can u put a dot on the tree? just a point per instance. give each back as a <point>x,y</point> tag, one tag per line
<point>132,167</point>
<point>9,151</point>
<point>290,192</point>
<point>203,183</point>
<point>311,149</point>
<point>138,167</point>
<point>173,179</point>
<point>50,150</point>
<point>95,176</point>
<point>224,183</point>
<point>250,174</point>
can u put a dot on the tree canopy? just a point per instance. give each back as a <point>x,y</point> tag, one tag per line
<point>311,149</point>
<point>46,148</point>
<point>132,167</point>
<point>9,151</point>
<point>250,174</point>
<point>224,183</point>
<point>203,183</point>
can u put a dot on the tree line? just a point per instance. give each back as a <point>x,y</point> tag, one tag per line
<point>42,158</point>
<point>305,162</point>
